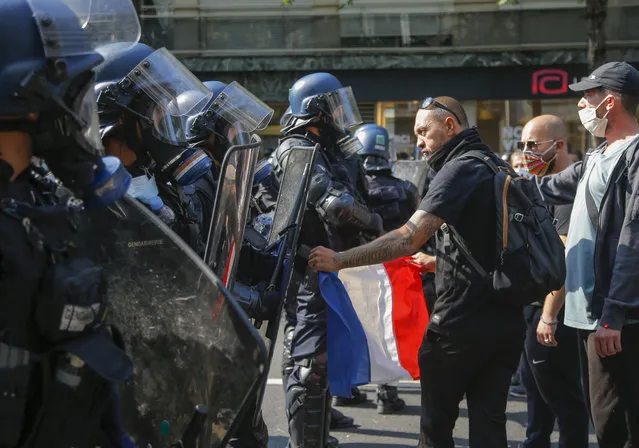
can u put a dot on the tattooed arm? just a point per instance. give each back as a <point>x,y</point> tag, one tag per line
<point>399,243</point>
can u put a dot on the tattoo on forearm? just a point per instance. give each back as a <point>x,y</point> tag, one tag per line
<point>398,243</point>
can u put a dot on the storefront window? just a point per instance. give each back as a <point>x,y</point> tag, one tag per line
<point>399,120</point>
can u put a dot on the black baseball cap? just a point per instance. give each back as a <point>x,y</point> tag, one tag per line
<point>616,76</point>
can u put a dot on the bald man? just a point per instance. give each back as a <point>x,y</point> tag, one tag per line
<point>550,371</point>
<point>473,342</point>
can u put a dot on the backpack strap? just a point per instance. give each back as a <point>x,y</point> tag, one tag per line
<point>461,244</point>
<point>478,151</point>
<point>484,154</point>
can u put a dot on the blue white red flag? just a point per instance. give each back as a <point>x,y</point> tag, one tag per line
<point>376,321</point>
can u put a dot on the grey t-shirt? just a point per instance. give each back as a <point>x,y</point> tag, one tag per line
<point>580,244</point>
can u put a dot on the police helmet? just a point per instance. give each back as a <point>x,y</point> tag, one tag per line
<point>118,61</point>
<point>322,97</point>
<point>233,114</point>
<point>375,150</point>
<point>49,67</point>
<point>216,87</point>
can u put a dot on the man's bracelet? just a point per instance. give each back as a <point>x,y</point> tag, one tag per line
<point>552,324</point>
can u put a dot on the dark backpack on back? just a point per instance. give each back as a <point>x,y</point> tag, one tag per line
<point>530,255</point>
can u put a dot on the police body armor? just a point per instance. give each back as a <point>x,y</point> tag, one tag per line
<point>193,206</point>
<point>56,368</point>
<point>332,195</point>
<point>395,200</point>
<point>334,218</point>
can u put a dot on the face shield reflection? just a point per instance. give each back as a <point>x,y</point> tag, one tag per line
<point>174,92</point>
<point>86,109</point>
<point>343,109</point>
<point>392,152</point>
<point>78,27</point>
<point>240,108</point>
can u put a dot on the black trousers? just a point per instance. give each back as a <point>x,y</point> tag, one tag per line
<point>552,378</point>
<point>613,386</point>
<point>478,365</point>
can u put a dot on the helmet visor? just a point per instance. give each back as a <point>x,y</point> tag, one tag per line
<point>174,92</point>
<point>392,152</point>
<point>241,108</point>
<point>343,109</point>
<point>77,27</point>
<point>86,108</point>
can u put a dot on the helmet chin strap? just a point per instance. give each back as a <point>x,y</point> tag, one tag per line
<point>20,125</point>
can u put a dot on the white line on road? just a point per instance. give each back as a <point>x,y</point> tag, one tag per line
<point>278,382</point>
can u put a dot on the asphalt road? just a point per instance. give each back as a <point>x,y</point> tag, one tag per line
<point>374,430</point>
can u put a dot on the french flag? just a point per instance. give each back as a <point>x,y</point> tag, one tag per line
<point>376,319</point>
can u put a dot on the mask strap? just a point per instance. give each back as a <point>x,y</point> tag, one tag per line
<point>549,148</point>
<point>603,101</point>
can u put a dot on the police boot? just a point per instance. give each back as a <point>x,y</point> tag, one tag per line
<point>340,421</point>
<point>307,403</point>
<point>387,400</point>
<point>250,433</point>
<point>359,397</point>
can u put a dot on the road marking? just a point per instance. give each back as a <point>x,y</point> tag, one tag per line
<point>278,382</point>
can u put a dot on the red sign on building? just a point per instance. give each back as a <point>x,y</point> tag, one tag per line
<point>549,81</point>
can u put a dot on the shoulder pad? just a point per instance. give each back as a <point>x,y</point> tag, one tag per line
<point>280,155</point>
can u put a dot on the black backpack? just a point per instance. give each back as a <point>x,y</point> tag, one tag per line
<point>530,255</point>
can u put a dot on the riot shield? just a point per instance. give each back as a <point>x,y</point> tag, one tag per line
<point>193,348</point>
<point>414,171</point>
<point>285,230</point>
<point>232,202</point>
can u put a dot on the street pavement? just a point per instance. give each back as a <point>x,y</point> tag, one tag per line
<point>377,431</point>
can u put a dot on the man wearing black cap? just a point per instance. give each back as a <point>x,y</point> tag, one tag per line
<point>602,250</point>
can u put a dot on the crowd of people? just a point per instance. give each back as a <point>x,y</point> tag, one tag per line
<point>90,119</point>
<point>577,341</point>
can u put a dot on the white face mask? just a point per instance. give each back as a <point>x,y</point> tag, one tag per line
<point>143,188</point>
<point>595,125</point>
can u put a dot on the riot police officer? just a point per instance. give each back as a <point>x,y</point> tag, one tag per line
<point>324,111</point>
<point>56,351</point>
<point>395,200</point>
<point>146,99</point>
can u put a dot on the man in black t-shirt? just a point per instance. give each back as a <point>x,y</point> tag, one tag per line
<point>550,371</point>
<point>473,341</point>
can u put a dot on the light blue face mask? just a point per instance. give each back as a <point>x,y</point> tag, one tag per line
<point>143,188</point>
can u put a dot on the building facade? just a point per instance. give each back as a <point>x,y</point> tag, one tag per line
<point>506,63</point>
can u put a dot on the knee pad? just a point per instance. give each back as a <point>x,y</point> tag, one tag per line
<point>287,360</point>
<point>313,372</point>
<point>307,403</point>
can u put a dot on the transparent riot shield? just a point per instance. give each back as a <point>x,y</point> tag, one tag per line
<point>414,171</point>
<point>285,230</point>
<point>232,202</point>
<point>197,358</point>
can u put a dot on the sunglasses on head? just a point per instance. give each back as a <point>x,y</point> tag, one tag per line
<point>430,101</point>
<point>532,145</point>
